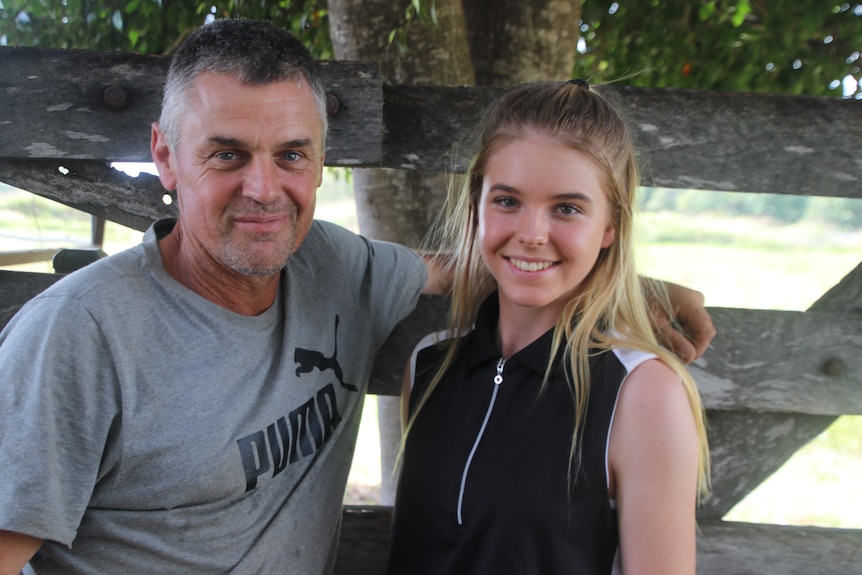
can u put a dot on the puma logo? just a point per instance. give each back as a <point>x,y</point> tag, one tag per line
<point>307,360</point>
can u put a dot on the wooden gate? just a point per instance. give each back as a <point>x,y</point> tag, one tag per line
<point>771,380</point>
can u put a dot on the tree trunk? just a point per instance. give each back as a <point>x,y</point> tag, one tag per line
<point>514,42</point>
<point>505,41</point>
<point>432,54</point>
<point>397,205</point>
<point>511,42</point>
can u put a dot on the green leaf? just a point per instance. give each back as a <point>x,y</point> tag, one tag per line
<point>707,10</point>
<point>743,9</point>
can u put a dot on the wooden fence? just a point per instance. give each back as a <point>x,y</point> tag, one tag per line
<point>771,380</point>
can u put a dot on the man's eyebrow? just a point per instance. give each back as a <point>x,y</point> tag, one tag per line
<point>298,143</point>
<point>225,141</point>
<point>237,143</point>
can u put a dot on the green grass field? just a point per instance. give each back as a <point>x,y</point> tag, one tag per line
<point>735,262</point>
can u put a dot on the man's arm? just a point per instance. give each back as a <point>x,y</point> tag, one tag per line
<point>15,550</point>
<point>439,280</point>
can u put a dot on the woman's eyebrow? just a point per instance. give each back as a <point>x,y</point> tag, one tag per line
<point>571,196</point>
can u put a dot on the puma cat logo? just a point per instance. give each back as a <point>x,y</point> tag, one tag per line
<point>307,360</point>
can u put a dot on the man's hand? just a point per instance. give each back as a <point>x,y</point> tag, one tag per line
<point>690,330</point>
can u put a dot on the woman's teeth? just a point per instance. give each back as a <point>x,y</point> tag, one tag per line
<point>530,266</point>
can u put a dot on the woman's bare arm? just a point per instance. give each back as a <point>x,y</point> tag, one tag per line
<point>653,460</point>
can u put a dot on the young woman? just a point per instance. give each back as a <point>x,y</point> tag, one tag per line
<point>548,431</point>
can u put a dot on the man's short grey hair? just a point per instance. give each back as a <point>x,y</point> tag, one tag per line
<point>257,53</point>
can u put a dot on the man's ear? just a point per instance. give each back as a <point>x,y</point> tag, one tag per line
<point>320,174</point>
<point>162,157</point>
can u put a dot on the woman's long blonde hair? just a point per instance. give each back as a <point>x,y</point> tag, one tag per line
<point>609,310</point>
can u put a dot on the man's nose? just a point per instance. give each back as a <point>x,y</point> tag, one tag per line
<point>261,181</point>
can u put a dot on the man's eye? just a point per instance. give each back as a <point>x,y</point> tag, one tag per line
<point>292,156</point>
<point>226,156</point>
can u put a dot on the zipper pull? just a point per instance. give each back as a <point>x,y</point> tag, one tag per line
<point>498,379</point>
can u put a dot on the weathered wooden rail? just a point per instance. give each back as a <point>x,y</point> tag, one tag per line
<point>771,381</point>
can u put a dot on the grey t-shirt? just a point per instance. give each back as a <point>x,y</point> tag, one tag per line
<point>156,432</point>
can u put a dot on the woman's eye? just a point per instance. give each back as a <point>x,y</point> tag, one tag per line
<point>569,209</point>
<point>506,202</point>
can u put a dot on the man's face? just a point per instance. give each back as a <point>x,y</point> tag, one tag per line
<point>246,168</point>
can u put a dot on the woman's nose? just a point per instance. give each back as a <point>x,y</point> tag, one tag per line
<point>533,229</point>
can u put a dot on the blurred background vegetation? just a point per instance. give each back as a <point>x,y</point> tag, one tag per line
<point>782,46</point>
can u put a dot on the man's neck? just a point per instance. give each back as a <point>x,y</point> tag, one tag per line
<point>242,294</point>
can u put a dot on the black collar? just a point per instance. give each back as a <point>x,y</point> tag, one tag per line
<point>481,346</point>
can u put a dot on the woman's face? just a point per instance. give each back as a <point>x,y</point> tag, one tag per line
<point>543,218</point>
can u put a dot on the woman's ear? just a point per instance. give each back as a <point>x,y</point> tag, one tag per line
<point>161,153</point>
<point>608,238</point>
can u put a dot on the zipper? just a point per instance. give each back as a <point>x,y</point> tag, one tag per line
<point>498,379</point>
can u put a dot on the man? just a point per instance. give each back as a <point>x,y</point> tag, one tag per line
<point>191,405</point>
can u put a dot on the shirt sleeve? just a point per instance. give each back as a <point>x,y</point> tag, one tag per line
<point>56,412</point>
<point>389,277</point>
<point>400,275</point>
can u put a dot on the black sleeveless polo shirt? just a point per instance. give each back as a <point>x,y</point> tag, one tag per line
<point>507,502</point>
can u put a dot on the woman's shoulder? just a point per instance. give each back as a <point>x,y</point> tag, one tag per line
<point>429,352</point>
<point>653,404</point>
<point>653,428</point>
<point>650,376</point>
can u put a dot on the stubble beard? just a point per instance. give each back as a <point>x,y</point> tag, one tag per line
<point>258,255</point>
<point>249,262</point>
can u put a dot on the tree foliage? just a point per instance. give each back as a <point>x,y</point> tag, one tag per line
<point>783,46</point>
<point>790,47</point>
<point>148,26</point>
